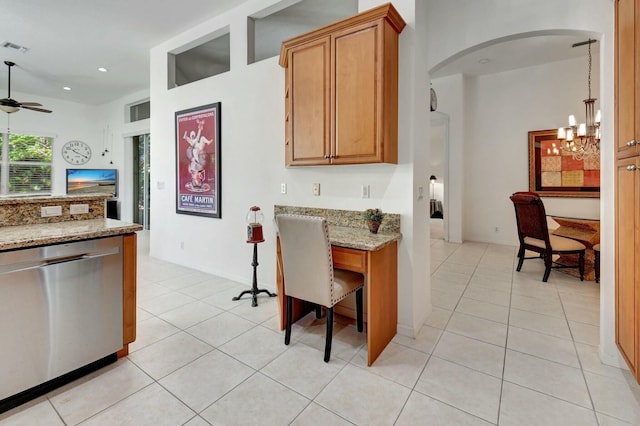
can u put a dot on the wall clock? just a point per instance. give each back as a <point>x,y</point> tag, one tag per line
<point>76,152</point>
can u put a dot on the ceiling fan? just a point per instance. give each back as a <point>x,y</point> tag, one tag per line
<point>9,105</point>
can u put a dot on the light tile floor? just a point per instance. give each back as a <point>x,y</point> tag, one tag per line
<point>499,348</point>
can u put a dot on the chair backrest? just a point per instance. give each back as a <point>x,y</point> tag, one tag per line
<point>306,257</point>
<point>530,216</point>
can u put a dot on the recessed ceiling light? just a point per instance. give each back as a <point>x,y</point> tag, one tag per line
<point>66,88</point>
<point>102,69</point>
<point>484,61</point>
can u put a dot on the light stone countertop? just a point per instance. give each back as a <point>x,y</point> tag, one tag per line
<point>23,236</point>
<point>361,239</point>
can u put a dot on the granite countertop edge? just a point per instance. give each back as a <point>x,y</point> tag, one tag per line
<point>25,236</point>
<point>361,239</point>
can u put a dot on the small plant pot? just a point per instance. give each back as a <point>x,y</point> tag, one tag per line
<point>373,226</point>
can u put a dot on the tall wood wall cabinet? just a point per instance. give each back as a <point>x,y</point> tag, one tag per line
<point>627,181</point>
<point>341,91</point>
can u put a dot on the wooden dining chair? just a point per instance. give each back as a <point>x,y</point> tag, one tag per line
<point>308,271</point>
<point>533,234</point>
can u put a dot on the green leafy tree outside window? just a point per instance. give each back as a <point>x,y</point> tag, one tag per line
<point>29,164</point>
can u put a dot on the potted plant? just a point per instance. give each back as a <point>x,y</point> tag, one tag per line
<point>374,219</point>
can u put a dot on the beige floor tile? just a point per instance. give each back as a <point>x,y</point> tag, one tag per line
<point>425,341</point>
<point>189,279</point>
<point>478,328</point>
<point>267,308</point>
<point>605,420</point>
<point>397,362</point>
<point>466,389</point>
<point>472,353</point>
<point>258,399</point>
<point>346,341</point>
<point>316,415</point>
<point>220,329</point>
<point>585,333</point>
<point>205,380</point>
<point>197,421</point>
<point>190,314</point>
<point>150,331</point>
<point>224,299</point>
<point>542,345</point>
<point>545,324</point>
<point>310,374</point>
<point>152,406</point>
<point>204,289</point>
<point>484,310</point>
<point>551,307</point>
<point>578,313</point>
<point>613,398</point>
<point>445,299</point>
<point>548,377</point>
<point>483,294</point>
<point>438,318</point>
<point>257,347</point>
<point>421,409</point>
<point>36,412</point>
<point>590,361</point>
<point>523,407</point>
<point>490,283</point>
<point>166,302</point>
<point>363,398</point>
<point>150,291</point>
<point>166,356</point>
<point>91,394</point>
<point>536,289</point>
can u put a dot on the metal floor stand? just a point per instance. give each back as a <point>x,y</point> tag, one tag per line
<point>254,288</point>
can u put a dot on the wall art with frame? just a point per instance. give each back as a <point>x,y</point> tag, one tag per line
<point>554,173</point>
<point>198,161</point>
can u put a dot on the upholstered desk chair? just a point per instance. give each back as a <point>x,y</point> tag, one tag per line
<point>309,273</point>
<point>534,235</point>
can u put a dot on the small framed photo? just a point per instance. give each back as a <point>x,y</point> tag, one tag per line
<point>198,161</point>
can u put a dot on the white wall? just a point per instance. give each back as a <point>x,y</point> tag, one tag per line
<point>506,20</point>
<point>252,151</point>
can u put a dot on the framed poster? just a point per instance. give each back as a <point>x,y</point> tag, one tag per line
<point>198,161</point>
<point>555,173</point>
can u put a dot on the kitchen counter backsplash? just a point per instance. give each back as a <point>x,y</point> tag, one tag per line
<point>343,218</point>
<point>27,210</point>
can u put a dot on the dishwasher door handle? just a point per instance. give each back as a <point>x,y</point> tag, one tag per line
<point>29,266</point>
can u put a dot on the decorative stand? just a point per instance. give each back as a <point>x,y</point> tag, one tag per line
<point>254,288</point>
<point>255,236</point>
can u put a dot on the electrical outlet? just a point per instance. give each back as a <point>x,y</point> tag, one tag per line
<point>365,191</point>
<point>181,245</point>
<point>420,193</point>
<point>316,189</point>
<point>79,208</point>
<point>51,211</point>
<point>283,188</point>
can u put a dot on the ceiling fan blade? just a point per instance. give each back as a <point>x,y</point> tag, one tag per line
<point>30,103</point>
<point>36,109</point>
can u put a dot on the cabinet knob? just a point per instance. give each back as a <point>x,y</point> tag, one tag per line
<point>326,156</point>
<point>332,156</point>
<point>631,167</point>
<point>632,142</point>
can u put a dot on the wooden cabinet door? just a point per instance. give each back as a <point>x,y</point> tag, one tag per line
<point>627,268</point>
<point>627,78</point>
<point>308,104</point>
<point>357,94</point>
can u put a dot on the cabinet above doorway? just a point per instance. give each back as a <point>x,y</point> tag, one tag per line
<point>341,91</point>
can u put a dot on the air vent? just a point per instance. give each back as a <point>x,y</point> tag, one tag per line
<point>14,46</point>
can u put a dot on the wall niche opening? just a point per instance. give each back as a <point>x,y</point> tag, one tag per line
<point>202,58</point>
<point>268,28</point>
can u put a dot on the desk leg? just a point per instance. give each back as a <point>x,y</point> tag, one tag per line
<point>382,299</point>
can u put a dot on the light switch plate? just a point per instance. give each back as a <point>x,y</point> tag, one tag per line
<point>316,189</point>
<point>283,188</point>
<point>79,208</point>
<point>51,211</point>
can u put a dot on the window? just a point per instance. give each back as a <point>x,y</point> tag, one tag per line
<point>140,111</point>
<point>25,164</point>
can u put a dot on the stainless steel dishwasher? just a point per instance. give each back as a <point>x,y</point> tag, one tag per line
<point>60,309</point>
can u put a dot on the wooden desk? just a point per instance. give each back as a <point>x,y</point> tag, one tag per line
<point>586,231</point>
<point>380,266</point>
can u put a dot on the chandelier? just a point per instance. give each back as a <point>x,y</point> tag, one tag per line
<point>581,140</point>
